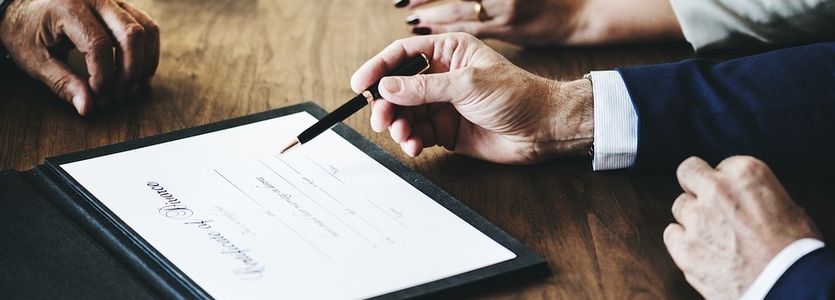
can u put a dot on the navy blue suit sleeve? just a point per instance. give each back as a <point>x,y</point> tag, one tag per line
<point>811,277</point>
<point>778,106</point>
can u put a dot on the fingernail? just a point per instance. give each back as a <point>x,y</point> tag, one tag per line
<point>422,30</point>
<point>401,3</point>
<point>79,104</point>
<point>392,85</point>
<point>412,20</point>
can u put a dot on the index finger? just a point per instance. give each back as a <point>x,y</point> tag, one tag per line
<point>693,174</point>
<point>411,3</point>
<point>439,49</point>
<point>385,61</point>
<point>459,11</point>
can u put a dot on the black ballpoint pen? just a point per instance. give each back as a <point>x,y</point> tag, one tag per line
<point>414,66</point>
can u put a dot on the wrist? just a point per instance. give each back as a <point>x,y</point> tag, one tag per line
<point>572,126</point>
<point>581,94</point>
<point>606,22</point>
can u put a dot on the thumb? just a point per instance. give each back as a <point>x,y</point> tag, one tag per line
<point>420,89</point>
<point>68,85</point>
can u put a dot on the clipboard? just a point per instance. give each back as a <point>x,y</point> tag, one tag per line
<point>68,244</point>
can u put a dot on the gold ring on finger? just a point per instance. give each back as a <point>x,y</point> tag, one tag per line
<point>479,11</point>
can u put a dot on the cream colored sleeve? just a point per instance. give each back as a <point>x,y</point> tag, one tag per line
<point>723,24</point>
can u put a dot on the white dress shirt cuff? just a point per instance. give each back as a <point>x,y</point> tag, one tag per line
<point>778,265</point>
<point>615,122</point>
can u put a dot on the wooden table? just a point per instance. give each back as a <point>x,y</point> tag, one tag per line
<point>601,232</point>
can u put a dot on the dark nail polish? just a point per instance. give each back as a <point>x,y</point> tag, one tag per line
<point>422,30</point>
<point>401,3</point>
<point>412,20</point>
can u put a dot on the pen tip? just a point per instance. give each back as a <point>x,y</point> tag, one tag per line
<point>291,145</point>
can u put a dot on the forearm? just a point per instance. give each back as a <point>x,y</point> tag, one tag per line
<point>777,106</point>
<point>612,21</point>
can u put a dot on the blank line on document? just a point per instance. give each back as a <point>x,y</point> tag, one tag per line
<point>285,163</point>
<point>387,214</point>
<point>332,197</point>
<point>353,213</point>
<point>305,239</point>
<point>317,202</point>
<point>326,170</point>
<point>239,189</point>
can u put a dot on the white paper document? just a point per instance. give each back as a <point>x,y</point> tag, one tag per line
<point>322,221</point>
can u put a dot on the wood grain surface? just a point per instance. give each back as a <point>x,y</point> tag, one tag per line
<point>601,232</point>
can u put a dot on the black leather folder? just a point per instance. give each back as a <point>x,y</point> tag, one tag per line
<point>57,241</point>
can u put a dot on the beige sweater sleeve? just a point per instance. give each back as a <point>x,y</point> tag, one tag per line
<point>722,24</point>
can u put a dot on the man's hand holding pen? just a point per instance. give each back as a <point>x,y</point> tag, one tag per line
<point>459,107</point>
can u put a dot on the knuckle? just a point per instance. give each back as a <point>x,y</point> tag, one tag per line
<point>684,165</point>
<point>469,75</point>
<point>470,79</point>
<point>669,234</point>
<point>690,160</point>
<point>470,38</point>
<point>714,186</point>
<point>134,31</point>
<point>463,37</point>
<point>60,83</point>
<point>100,43</point>
<point>745,166</point>
<point>688,166</point>
<point>678,202</point>
<point>151,29</point>
<point>675,209</point>
<point>419,85</point>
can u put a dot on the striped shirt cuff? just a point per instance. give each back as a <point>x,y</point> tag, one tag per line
<point>615,122</point>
